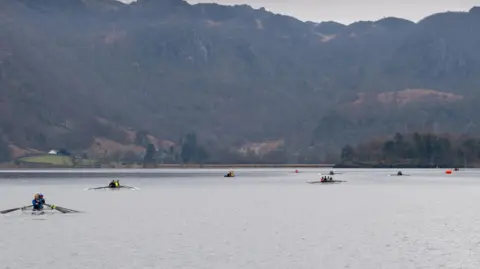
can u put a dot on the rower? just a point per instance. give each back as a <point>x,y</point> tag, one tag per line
<point>331,173</point>
<point>117,183</point>
<point>399,173</point>
<point>38,202</point>
<point>112,184</point>
<point>42,200</point>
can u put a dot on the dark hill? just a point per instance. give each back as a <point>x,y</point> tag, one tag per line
<point>72,71</point>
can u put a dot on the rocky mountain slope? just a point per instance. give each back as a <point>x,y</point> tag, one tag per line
<point>73,72</point>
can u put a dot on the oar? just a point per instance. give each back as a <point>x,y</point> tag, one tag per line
<point>62,209</point>
<point>133,188</point>
<point>98,188</point>
<point>10,210</point>
<point>13,209</point>
<point>108,187</point>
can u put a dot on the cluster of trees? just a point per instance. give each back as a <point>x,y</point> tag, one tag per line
<point>416,150</point>
<point>4,151</point>
<point>190,152</point>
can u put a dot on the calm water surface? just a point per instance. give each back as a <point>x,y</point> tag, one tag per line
<point>265,218</point>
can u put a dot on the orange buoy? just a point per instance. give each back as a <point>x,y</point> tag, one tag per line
<point>448,172</point>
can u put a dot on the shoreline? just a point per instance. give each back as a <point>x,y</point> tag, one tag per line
<point>164,166</point>
<point>398,166</point>
<point>27,166</point>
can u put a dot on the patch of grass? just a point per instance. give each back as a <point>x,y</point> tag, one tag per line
<point>54,160</point>
<point>47,159</point>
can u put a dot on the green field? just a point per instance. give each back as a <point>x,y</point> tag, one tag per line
<point>56,160</point>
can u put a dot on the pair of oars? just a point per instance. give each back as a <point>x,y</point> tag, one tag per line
<point>108,187</point>
<point>53,207</point>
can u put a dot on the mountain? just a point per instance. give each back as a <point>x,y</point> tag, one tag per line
<point>83,74</point>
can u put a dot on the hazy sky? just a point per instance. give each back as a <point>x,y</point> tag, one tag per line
<point>347,11</point>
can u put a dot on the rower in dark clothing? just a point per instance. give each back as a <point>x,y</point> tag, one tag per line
<point>399,173</point>
<point>38,202</point>
<point>112,184</point>
<point>42,200</point>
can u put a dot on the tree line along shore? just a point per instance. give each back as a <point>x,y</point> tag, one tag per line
<point>413,150</point>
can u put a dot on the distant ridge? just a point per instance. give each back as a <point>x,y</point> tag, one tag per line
<point>75,72</point>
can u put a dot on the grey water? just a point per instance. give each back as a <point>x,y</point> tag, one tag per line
<point>263,218</point>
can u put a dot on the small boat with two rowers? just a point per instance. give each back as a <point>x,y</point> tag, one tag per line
<point>40,207</point>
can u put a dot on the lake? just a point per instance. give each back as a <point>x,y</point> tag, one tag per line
<point>263,218</point>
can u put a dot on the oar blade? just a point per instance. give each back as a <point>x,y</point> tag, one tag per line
<point>70,210</point>
<point>98,188</point>
<point>130,187</point>
<point>10,210</point>
<point>63,209</point>
<point>14,209</point>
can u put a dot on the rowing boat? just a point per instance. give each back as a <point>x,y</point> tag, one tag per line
<point>326,182</point>
<point>46,209</point>
<point>30,211</point>
<point>113,188</point>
